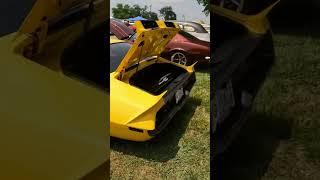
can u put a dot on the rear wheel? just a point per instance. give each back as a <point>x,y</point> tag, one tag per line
<point>179,57</point>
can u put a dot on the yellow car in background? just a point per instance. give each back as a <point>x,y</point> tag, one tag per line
<point>146,90</point>
<point>53,96</point>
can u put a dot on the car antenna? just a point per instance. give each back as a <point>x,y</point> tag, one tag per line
<point>141,44</point>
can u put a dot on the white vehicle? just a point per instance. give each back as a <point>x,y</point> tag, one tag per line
<point>206,27</point>
<point>195,29</point>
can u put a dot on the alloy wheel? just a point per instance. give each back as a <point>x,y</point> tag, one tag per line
<point>179,57</point>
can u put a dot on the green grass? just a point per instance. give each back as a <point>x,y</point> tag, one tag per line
<point>292,92</point>
<point>281,139</point>
<point>181,151</point>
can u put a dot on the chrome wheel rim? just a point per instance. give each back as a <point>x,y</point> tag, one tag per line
<point>179,58</point>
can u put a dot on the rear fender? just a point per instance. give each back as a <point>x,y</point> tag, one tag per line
<point>256,24</point>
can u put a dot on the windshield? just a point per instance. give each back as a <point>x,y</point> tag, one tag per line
<point>12,14</point>
<point>117,53</point>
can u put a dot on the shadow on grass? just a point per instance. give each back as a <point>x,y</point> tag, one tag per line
<point>203,68</point>
<point>251,153</point>
<point>165,145</point>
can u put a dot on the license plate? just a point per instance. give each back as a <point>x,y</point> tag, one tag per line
<point>179,94</point>
<point>226,101</point>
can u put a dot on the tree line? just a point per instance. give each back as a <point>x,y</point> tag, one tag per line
<point>125,11</point>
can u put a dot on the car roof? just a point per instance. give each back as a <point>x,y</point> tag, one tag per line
<point>186,22</point>
<point>199,28</point>
<point>120,30</point>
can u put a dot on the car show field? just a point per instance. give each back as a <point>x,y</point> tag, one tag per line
<point>181,151</point>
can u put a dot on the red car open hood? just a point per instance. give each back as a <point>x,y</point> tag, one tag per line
<point>120,30</point>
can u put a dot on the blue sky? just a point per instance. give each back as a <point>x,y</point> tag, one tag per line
<point>191,10</point>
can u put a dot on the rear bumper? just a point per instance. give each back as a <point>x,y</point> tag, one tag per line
<point>124,132</point>
<point>167,112</point>
<point>247,75</point>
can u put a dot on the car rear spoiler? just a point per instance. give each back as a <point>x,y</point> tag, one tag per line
<point>257,24</point>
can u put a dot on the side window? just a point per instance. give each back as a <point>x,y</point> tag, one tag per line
<point>189,28</point>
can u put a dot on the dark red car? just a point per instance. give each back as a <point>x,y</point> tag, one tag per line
<point>184,48</point>
<point>120,30</point>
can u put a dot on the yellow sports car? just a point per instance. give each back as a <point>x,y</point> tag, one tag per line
<point>53,102</point>
<point>146,90</point>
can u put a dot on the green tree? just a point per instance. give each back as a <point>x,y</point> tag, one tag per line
<point>152,16</point>
<point>126,11</point>
<point>206,4</point>
<point>168,13</point>
<point>136,10</point>
<point>122,11</point>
